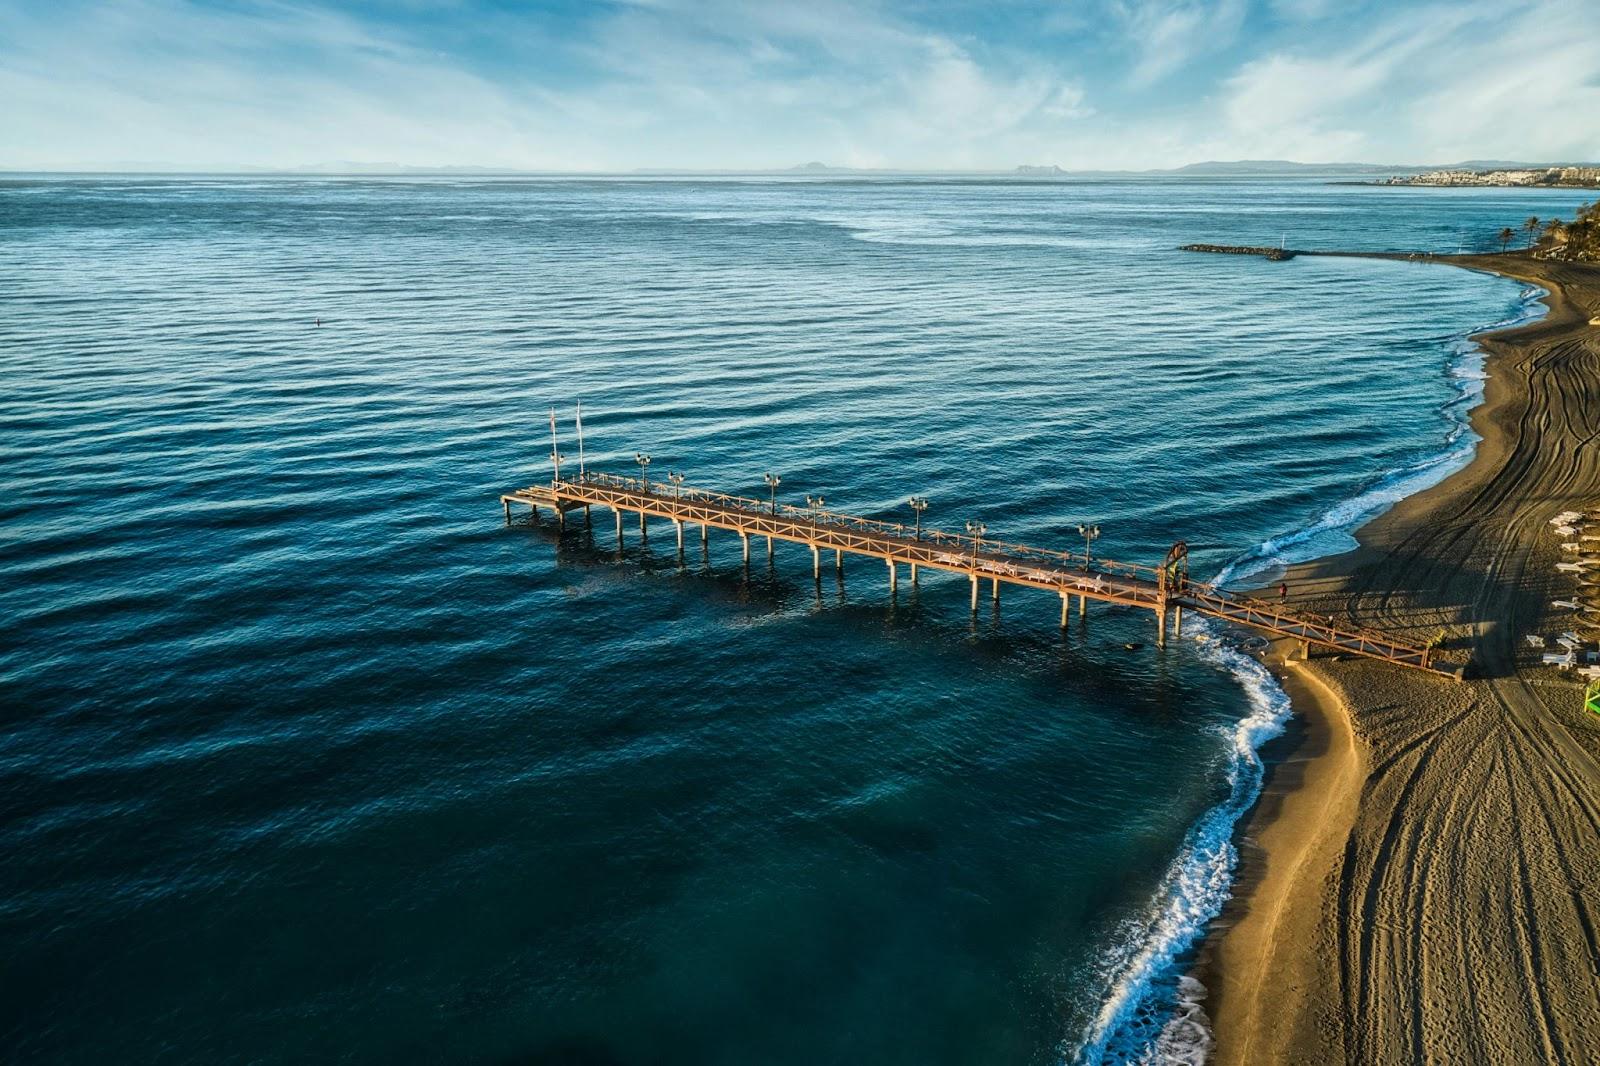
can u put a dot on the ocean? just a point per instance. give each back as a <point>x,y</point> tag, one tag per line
<point>306,755</point>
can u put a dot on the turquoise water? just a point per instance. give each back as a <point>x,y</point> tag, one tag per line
<point>305,755</point>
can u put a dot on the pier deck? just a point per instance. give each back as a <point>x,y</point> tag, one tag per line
<point>1165,590</point>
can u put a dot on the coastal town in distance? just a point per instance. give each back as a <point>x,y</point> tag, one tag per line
<point>709,533</point>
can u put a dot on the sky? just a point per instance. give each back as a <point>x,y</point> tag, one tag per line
<point>756,84</point>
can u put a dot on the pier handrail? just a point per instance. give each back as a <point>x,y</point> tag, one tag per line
<point>1066,572</point>
<point>758,507</point>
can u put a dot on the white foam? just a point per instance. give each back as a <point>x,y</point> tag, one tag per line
<point>1153,1012</point>
<point>1137,1023</point>
<point>1334,530</point>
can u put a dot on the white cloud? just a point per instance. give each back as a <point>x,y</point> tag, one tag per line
<point>1437,84</point>
<point>1164,35</point>
<point>727,83</point>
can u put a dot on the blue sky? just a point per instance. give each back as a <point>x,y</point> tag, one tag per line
<point>570,85</point>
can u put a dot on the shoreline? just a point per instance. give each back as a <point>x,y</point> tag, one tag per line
<point>1282,984</point>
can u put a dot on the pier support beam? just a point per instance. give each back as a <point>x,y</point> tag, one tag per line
<point>679,524</point>
<point>769,549</point>
<point>705,533</point>
<point>974,593</point>
<point>838,560</point>
<point>1177,622</point>
<point>1066,603</point>
<point>586,522</point>
<point>643,532</point>
<point>1161,626</point>
<point>619,526</point>
<point>913,573</point>
<point>744,538</point>
<point>507,504</point>
<point>995,591</point>
<point>1083,606</point>
<point>816,563</point>
<point>894,577</point>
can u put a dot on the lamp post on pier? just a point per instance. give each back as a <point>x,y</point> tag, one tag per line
<point>773,481</point>
<point>976,530</point>
<point>815,503</point>
<point>677,484</point>
<point>919,504</point>
<point>1090,535</point>
<point>644,469</point>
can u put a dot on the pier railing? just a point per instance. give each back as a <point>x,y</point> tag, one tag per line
<point>961,542</point>
<point>1067,573</point>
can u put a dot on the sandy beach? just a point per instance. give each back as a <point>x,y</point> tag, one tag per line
<point>1421,880</point>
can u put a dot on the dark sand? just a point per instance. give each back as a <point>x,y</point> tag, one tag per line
<point>1421,882</point>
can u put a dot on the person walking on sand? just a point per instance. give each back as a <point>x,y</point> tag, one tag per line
<point>1283,592</point>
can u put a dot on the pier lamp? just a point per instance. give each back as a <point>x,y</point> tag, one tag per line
<point>977,530</point>
<point>773,481</point>
<point>815,503</point>
<point>919,504</point>
<point>1090,535</point>
<point>644,468</point>
<point>677,482</point>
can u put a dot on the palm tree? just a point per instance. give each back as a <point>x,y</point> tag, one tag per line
<point>1505,237</point>
<point>1532,226</point>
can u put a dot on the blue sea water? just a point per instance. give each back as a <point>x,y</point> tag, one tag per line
<point>305,755</point>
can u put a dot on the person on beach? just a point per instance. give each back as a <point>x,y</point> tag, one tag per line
<point>1283,592</point>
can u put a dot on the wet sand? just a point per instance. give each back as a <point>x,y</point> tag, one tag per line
<point>1421,880</point>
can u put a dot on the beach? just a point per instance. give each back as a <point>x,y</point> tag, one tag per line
<point>1421,879</point>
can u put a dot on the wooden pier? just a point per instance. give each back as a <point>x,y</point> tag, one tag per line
<point>1164,590</point>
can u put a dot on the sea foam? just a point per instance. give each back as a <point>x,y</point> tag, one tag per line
<point>1153,1012</point>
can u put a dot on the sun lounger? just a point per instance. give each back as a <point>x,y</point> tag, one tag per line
<point>1558,658</point>
<point>1567,605</point>
<point>1534,640</point>
<point>1570,568</point>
